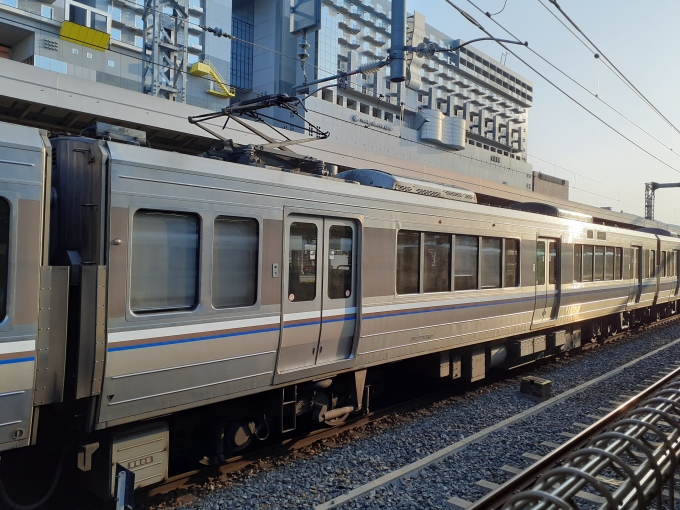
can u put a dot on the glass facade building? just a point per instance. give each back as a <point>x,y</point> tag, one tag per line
<point>242,27</point>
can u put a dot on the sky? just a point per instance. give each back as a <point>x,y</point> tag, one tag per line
<point>641,40</point>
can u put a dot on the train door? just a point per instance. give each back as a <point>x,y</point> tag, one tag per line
<point>547,280</point>
<point>319,304</point>
<point>635,274</point>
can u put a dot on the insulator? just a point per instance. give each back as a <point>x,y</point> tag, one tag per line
<point>372,67</point>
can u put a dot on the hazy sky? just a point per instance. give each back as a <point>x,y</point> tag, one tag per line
<point>642,40</point>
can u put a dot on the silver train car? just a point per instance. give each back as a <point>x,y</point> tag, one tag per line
<point>154,301</point>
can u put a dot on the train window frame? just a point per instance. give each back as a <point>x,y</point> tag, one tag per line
<point>609,251</point>
<point>480,265</point>
<point>652,263</point>
<point>597,248</point>
<point>199,264</point>
<point>618,263</point>
<point>591,274</point>
<point>257,266</point>
<point>518,276</point>
<point>477,272</point>
<point>662,263</point>
<point>578,248</point>
<point>423,254</point>
<point>420,263</point>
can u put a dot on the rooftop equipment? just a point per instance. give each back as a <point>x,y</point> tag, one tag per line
<point>379,179</point>
<point>551,210</point>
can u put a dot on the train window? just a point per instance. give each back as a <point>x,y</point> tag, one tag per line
<point>437,264</point>
<point>645,269</point>
<point>652,263</point>
<point>4,255</point>
<point>511,263</point>
<point>608,263</point>
<point>340,246</point>
<point>618,263</point>
<point>408,262</point>
<point>465,265</point>
<point>578,262</point>
<point>552,263</point>
<point>491,263</point>
<point>540,263</point>
<point>587,263</point>
<point>598,265</point>
<point>302,252</point>
<point>634,257</point>
<point>165,248</point>
<point>235,253</point>
<point>662,264</point>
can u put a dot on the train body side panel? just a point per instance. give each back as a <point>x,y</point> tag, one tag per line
<point>22,160</point>
<point>158,361</point>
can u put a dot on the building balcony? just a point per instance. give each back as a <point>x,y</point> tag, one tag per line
<point>492,108</point>
<point>341,6</point>
<point>477,89</point>
<point>370,52</point>
<point>460,95</point>
<point>428,65</point>
<point>462,83</point>
<point>370,37</point>
<point>368,5</point>
<point>380,40</point>
<point>383,27</point>
<point>517,109</point>
<point>354,12</point>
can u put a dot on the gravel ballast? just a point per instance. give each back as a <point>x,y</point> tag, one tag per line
<point>331,468</point>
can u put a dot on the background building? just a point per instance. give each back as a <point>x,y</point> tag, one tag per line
<point>461,111</point>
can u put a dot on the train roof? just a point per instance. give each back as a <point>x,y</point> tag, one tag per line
<point>380,179</point>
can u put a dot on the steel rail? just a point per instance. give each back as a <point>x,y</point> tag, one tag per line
<point>620,443</point>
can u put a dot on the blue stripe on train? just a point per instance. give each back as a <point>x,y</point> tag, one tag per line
<point>16,360</point>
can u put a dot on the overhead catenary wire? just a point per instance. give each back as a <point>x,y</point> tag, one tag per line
<point>623,76</point>
<point>584,88</point>
<point>573,99</point>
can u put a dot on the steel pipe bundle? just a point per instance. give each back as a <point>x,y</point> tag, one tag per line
<point>628,465</point>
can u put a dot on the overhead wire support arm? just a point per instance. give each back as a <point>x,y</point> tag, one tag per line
<point>650,192</point>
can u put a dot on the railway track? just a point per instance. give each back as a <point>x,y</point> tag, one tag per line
<point>188,481</point>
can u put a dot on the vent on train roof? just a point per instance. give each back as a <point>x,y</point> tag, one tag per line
<point>379,179</point>
<point>551,210</point>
